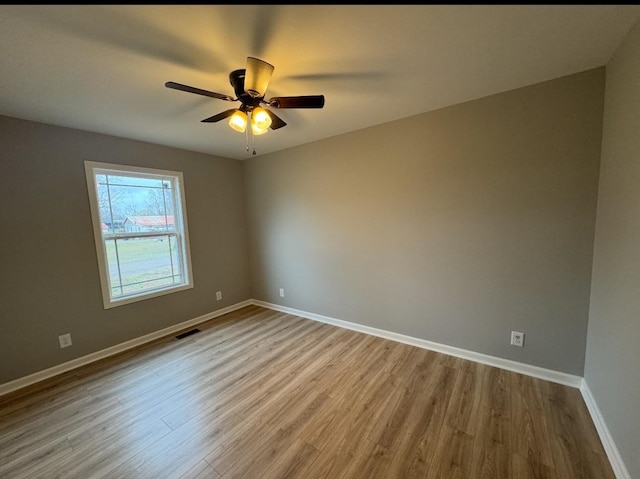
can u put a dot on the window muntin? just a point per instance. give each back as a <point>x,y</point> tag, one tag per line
<point>139,220</point>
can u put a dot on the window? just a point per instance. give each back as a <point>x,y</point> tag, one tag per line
<point>140,227</point>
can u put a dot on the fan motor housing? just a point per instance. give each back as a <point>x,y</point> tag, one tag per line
<point>236,78</point>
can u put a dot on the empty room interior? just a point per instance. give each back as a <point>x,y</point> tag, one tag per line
<point>321,241</point>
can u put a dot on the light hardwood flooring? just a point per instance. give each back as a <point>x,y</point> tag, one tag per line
<point>261,394</point>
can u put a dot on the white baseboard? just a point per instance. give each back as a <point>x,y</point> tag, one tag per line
<point>529,370</point>
<point>608,443</point>
<point>118,348</point>
<point>542,373</point>
<point>550,375</point>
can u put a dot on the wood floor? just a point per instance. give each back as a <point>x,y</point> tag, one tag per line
<point>262,394</point>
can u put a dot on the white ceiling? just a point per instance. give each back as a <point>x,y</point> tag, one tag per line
<point>103,68</point>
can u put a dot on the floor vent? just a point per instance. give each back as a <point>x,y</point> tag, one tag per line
<point>187,333</point>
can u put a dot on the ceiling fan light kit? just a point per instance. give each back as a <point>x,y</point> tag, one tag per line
<point>258,74</point>
<point>250,86</point>
<point>260,121</point>
<point>238,121</point>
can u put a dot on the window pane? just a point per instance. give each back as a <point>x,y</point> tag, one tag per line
<point>104,205</point>
<point>112,264</point>
<point>130,181</point>
<point>137,265</point>
<point>140,208</point>
<point>176,255</point>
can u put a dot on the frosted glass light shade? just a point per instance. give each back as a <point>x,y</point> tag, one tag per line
<point>257,76</point>
<point>238,121</point>
<point>260,121</point>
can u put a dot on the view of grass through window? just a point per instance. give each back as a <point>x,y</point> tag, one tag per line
<point>141,264</point>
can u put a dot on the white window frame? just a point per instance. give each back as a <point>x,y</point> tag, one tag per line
<point>180,221</point>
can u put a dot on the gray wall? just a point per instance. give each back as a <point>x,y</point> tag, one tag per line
<point>612,369</point>
<point>455,226</point>
<point>49,283</point>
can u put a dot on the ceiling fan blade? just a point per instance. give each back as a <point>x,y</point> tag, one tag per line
<point>198,91</point>
<point>219,116</point>
<point>309,101</point>
<point>276,121</point>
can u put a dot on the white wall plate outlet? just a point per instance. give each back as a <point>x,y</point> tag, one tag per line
<point>517,339</point>
<point>65,340</point>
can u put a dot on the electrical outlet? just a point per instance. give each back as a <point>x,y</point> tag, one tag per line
<point>282,292</point>
<point>218,295</point>
<point>517,339</point>
<point>65,340</point>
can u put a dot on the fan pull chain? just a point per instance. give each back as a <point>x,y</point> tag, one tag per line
<point>247,138</point>
<point>252,137</point>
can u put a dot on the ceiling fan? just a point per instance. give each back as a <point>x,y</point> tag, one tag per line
<point>250,85</point>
